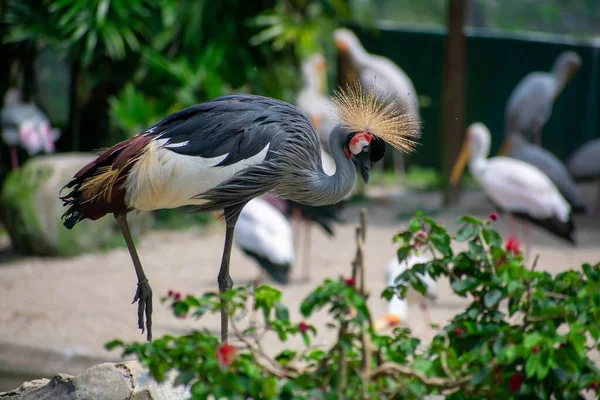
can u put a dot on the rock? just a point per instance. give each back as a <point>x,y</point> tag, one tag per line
<point>123,381</point>
<point>31,210</point>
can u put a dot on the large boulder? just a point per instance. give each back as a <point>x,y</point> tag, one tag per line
<point>123,381</point>
<point>31,210</point>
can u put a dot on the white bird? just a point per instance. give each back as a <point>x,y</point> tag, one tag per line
<point>312,97</point>
<point>382,75</point>
<point>530,104</point>
<point>397,308</point>
<point>515,187</point>
<point>25,125</point>
<point>264,234</point>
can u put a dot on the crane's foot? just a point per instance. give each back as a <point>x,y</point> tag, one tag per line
<point>143,296</point>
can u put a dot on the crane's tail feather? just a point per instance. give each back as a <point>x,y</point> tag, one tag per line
<point>98,188</point>
<point>563,230</point>
<point>279,272</point>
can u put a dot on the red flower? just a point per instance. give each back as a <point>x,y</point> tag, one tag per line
<point>170,293</point>
<point>350,281</point>
<point>177,296</point>
<point>303,327</point>
<point>420,239</point>
<point>493,216</point>
<point>593,386</point>
<point>535,349</point>
<point>515,381</point>
<point>225,354</point>
<point>512,245</point>
<point>457,332</point>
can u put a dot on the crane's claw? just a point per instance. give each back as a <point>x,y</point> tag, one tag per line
<point>143,296</point>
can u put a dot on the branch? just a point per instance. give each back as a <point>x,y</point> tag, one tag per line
<point>527,317</point>
<point>393,369</point>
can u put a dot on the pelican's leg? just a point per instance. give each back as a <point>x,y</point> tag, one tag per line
<point>306,254</point>
<point>224,279</point>
<point>526,241</point>
<point>143,294</point>
<point>511,225</point>
<point>398,160</point>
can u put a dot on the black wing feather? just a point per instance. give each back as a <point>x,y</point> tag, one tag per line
<point>237,125</point>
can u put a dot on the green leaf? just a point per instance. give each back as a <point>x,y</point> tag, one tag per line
<point>184,377</point>
<point>388,293</point>
<point>281,312</point>
<point>467,219</point>
<point>480,376</point>
<point>492,297</point>
<point>442,243</point>
<point>532,365</point>
<point>415,225</point>
<point>113,343</point>
<point>462,286</point>
<point>269,387</point>
<point>466,232</point>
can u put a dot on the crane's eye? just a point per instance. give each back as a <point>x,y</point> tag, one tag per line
<point>365,149</point>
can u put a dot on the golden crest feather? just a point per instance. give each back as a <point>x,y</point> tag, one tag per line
<point>361,110</point>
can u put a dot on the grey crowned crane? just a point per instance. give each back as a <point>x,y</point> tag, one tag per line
<point>530,104</point>
<point>324,216</point>
<point>264,234</point>
<point>221,154</point>
<point>515,187</point>
<point>382,75</point>
<point>520,149</point>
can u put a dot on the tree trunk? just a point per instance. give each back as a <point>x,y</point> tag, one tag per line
<point>454,94</point>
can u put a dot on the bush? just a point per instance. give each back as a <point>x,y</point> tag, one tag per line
<point>525,334</point>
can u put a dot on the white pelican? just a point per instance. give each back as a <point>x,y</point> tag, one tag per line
<point>312,98</point>
<point>264,234</point>
<point>381,74</point>
<point>584,165</point>
<point>530,104</point>
<point>519,148</point>
<point>397,308</point>
<point>515,187</point>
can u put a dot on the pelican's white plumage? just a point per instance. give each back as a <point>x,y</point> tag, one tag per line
<point>397,308</point>
<point>379,72</point>
<point>263,231</point>
<point>515,186</point>
<point>312,98</point>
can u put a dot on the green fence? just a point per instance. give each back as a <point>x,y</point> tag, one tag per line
<point>495,64</point>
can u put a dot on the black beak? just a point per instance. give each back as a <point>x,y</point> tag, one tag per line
<point>365,169</point>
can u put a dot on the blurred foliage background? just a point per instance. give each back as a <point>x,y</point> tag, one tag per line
<point>105,69</point>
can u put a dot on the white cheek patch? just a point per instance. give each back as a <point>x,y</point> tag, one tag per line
<point>358,146</point>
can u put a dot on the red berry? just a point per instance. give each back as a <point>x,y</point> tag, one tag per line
<point>515,381</point>
<point>225,354</point>
<point>420,239</point>
<point>350,281</point>
<point>303,327</point>
<point>177,296</point>
<point>493,216</point>
<point>170,293</point>
<point>535,349</point>
<point>562,345</point>
<point>512,245</point>
<point>458,332</point>
<point>593,386</point>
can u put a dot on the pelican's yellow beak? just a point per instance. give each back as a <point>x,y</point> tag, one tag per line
<point>320,66</point>
<point>504,147</point>
<point>460,164</point>
<point>316,121</point>
<point>387,321</point>
<point>341,45</point>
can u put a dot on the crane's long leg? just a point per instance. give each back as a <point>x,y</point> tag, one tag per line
<point>143,294</point>
<point>306,256</point>
<point>224,279</point>
<point>526,240</point>
<point>511,225</point>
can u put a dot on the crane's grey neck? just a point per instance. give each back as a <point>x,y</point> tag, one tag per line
<point>322,189</point>
<point>562,71</point>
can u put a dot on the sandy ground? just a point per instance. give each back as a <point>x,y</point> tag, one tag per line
<point>56,314</point>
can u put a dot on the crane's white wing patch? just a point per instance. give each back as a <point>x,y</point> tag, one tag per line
<point>164,179</point>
